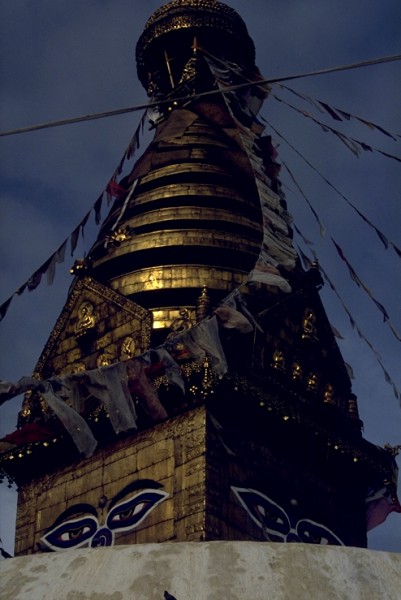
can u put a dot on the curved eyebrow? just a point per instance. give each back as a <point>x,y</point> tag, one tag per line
<point>76,509</point>
<point>132,487</point>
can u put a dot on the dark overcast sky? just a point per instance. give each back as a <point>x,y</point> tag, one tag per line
<point>61,59</point>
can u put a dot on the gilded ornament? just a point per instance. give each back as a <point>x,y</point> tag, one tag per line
<point>312,382</point>
<point>34,409</point>
<point>328,395</point>
<point>104,360</point>
<point>86,319</point>
<point>296,371</point>
<point>139,314</point>
<point>81,267</point>
<point>278,361</point>
<point>127,348</point>
<point>190,70</point>
<point>203,305</point>
<point>118,236</point>
<point>308,325</point>
<point>353,407</point>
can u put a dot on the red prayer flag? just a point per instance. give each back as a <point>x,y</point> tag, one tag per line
<point>114,189</point>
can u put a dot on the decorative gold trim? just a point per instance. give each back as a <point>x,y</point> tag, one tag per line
<point>187,239</point>
<point>177,276</point>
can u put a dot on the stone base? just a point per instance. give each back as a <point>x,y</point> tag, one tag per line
<point>204,571</point>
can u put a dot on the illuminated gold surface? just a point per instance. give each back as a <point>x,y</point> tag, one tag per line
<point>190,189</point>
<point>116,318</point>
<point>172,453</point>
<point>193,212</point>
<point>164,318</point>
<point>176,276</point>
<point>187,238</point>
<point>184,168</point>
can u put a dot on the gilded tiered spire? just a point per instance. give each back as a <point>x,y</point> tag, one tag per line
<point>195,212</point>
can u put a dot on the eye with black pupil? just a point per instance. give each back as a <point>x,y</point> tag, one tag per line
<point>129,512</point>
<point>75,533</point>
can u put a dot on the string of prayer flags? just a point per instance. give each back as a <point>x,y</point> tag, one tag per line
<point>143,389</point>
<point>362,336</point>
<point>231,318</point>
<point>206,335</point>
<point>277,250</point>
<point>170,367</point>
<point>112,190</point>
<point>134,143</point>
<point>362,285</point>
<point>5,306</point>
<point>390,381</point>
<point>321,226</point>
<point>236,301</point>
<point>97,207</point>
<point>351,143</point>
<point>55,395</point>
<point>79,229</point>
<point>57,258</point>
<point>387,243</point>
<point>55,391</point>
<point>243,104</point>
<point>305,259</point>
<point>359,281</point>
<point>110,386</point>
<point>338,114</point>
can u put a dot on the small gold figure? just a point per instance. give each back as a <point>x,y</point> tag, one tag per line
<point>312,382</point>
<point>278,361</point>
<point>296,371</point>
<point>328,395</point>
<point>104,360</point>
<point>127,348</point>
<point>308,325</point>
<point>86,318</point>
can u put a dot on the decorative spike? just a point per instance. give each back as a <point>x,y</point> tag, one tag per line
<point>203,307</point>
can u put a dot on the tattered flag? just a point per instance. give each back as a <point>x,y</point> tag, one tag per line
<point>4,307</point>
<point>98,209</point>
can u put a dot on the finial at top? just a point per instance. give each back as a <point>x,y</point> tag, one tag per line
<point>171,29</point>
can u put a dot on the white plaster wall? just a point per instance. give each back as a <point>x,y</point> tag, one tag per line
<point>204,571</point>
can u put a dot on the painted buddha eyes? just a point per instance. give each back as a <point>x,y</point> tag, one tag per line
<point>67,532</point>
<point>310,532</point>
<point>265,513</point>
<point>276,524</point>
<point>71,534</point>
<point>130,513</point>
